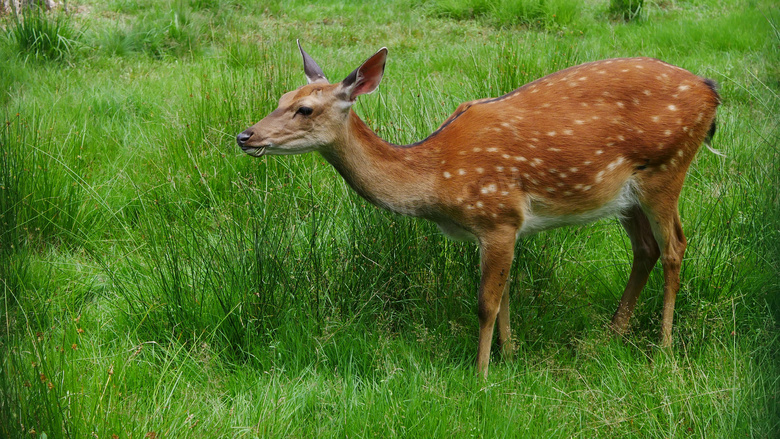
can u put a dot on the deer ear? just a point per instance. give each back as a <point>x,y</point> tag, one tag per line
<point>366,78</point>
<point>310,68</point>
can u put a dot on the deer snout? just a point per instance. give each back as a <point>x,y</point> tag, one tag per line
<point>243,137</point>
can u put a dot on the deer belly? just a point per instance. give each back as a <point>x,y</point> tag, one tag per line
<point>536,218</point>
<point>454,231</point>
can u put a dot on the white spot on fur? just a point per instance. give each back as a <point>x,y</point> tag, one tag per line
<point>492,149</point>
<point>599,152</point>
<point>479,170</point>
<point>672,107</point>
<point>489,189</point>
<point>615,164</point>
<point>573,169</point>
<point>461,172</point>
<point>520,158</point>
<point>551,133</point>
<point>568,132</point>
<point>447,174</point>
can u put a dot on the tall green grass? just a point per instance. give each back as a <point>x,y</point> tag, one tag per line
<point>156,282</point>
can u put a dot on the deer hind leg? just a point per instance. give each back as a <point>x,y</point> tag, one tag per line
<point>504,331</point>
<point>667,230</point>
<point>496,251</point>
<point>646,253</point>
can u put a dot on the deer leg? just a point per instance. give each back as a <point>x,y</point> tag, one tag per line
<point>496,253</point>
<point>667,230</point>
<point>504,331</point>
<point>646,253</point>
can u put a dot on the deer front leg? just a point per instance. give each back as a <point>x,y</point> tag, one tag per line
<point>496,253</point>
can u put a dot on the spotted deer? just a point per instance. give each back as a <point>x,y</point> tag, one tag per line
<point>605,138</point>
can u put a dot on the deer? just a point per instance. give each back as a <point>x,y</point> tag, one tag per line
<point>609,138</point>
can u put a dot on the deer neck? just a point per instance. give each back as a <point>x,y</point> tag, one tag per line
<point>396,178</point>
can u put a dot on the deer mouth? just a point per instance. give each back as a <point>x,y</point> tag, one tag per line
<point>255,151</point>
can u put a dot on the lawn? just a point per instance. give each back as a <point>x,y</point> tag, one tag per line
<point>158,283</point>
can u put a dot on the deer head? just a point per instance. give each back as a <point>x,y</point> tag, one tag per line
<point>313,116</point>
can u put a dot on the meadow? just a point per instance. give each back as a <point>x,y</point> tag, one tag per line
<point>156,282</point>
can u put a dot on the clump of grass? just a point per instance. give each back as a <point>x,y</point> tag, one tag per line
<point>626,10</point>
<point>44,36</point>
<point>545,14</point>
<point>161,34</point>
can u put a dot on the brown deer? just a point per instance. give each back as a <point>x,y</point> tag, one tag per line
<point>606,138</point>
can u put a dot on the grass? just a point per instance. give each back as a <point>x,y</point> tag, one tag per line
<point>158,283</point>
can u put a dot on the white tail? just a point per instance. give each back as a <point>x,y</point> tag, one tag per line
<point>611,137</point>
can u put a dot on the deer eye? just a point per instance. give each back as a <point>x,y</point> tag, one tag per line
<point>305,111</point>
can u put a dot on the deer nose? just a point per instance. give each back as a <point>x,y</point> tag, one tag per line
<point>243,137</point>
